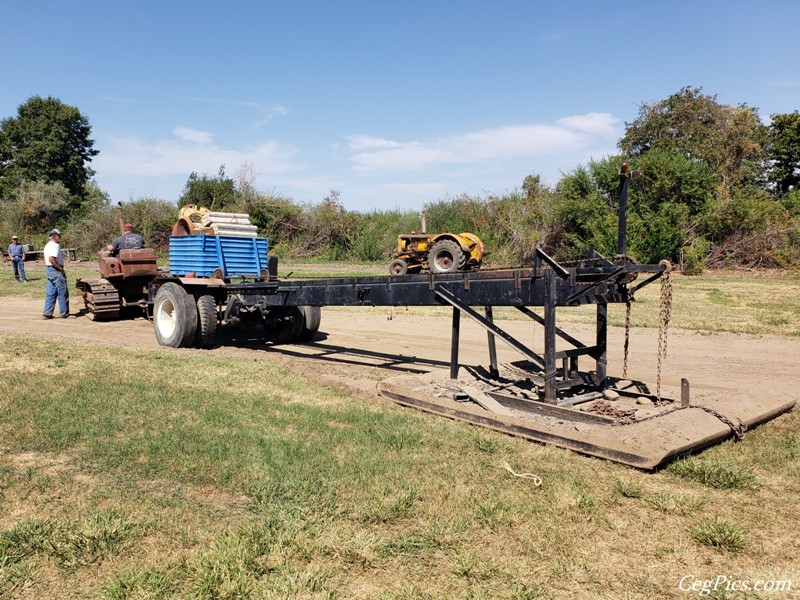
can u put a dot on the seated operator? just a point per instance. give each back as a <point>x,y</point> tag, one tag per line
<point>127,241</point>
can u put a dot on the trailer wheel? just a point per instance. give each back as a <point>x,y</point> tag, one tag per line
<point>312,317</point>
<point>287,327</point>
<point>398,267</point>
<point>174,316</point>
<point>446,256</point>
<point>206,321</point>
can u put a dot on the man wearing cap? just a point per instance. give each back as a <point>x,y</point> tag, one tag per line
<point>56,278</point>
<point>16,252</point>
<point>127,241</point>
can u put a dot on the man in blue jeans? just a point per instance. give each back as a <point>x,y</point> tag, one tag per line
<point>56,278</point>
<point>16,253</point>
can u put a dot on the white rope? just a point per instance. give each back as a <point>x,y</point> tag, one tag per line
<point>537,481</point>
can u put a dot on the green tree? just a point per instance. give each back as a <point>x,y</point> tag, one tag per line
<point>729,140</point>
<point>583,212</point>
<point>279,219</point>
<point>48,142</point>
<point>36,207</point>
<point>784,152</point>
<point>152,218</point>
<point>214,193</point>
<point>672,177</point>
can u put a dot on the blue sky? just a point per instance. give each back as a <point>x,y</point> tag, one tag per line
<point>393,104</point>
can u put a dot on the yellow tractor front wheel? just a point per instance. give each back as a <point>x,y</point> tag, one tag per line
<point>398,267</point>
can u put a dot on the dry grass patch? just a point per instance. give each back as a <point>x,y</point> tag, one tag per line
<point>274,486</point>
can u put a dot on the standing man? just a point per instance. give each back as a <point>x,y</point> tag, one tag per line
<point>56,278</point>
<point>16,252</point>
<point>127,241</point>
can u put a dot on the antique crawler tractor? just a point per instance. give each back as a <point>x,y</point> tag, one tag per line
<point>122,285</point>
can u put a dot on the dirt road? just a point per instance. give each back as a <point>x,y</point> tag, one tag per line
<point>357,347</point>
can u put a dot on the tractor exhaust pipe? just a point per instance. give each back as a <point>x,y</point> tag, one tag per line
<point>423,223</point>
<point>119,217</point>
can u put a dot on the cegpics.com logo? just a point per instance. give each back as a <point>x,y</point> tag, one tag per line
<point>704,587</point>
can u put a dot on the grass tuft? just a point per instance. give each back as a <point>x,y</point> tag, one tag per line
<point>103,535</point>
<point>23,540</point>
<point>484,443</point>
<point>234,564</point>
<point>390,506</point>
<point>146,584</point>
<point>628,489</point>
<point>676,503</point>
<point>720,534</point>
<point>714,472</point>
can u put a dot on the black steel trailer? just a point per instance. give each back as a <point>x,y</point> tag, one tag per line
<point>289,309</point>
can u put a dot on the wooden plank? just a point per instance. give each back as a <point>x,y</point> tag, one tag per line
<point>485,401</point>
<point>551,410</point>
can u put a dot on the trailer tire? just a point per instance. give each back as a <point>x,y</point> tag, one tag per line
<point>312,317</point>
<point>174,316</point>
<point>288,326</point>
<point>206,321</point>
<point>446,256</point>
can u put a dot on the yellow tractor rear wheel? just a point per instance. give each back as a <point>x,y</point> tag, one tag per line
<point>446,256</point>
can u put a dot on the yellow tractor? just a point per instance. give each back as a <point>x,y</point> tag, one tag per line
<point>440,253</point>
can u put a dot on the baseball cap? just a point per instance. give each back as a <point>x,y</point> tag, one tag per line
<point>127,227</point>
<point>13,237</point>
<point>54,232</point>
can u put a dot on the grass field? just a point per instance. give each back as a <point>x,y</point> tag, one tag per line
<point>189,475</point>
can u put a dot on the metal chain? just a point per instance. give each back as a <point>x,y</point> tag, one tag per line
<point>663,323</point>
<point>627,334</point>
<point>738,430</point>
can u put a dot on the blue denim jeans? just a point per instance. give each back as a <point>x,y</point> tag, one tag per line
<point>56,288</point>
<point>19,268</point>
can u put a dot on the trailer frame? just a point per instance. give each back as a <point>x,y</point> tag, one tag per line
<point>549,285</point>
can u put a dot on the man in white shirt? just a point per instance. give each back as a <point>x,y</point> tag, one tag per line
<point>56,278</point>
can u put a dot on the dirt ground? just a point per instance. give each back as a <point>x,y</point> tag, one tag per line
<point>356,348</point>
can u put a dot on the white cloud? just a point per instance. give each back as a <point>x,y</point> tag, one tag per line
<point>595,123</point>
<point>411,156</point>
<point>368,142</point>
<point>189,151</point>
<point>485,147</point>
<point>270,112</point>
<point>192,135</point>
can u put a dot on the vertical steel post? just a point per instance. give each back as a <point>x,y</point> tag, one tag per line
<point>623,209</point>
<point>602,343</point>
<point>684,392</point>
<point>550,390</point>
<point>454,344</point>
<point>493,370</point>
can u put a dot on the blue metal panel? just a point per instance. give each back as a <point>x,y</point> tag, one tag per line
<point>203,254</point>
